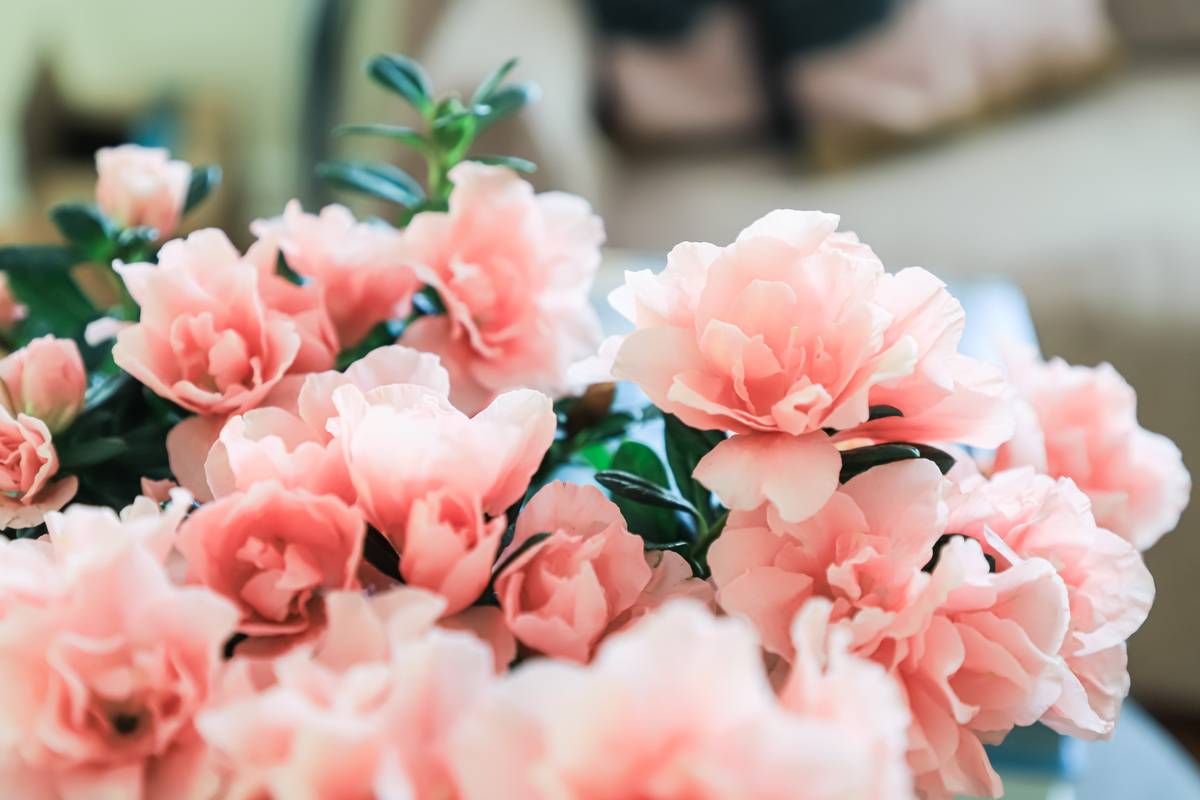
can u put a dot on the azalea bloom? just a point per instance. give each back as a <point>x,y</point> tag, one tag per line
<point>1081,423</point>
<point>975,652</point>
<point>358,266</point>
<point>678,706</point>
<point>514,270</point>
<point>792,331</point>
<point>219,331</point>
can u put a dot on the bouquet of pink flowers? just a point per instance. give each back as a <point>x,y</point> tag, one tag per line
<point>287,524</point>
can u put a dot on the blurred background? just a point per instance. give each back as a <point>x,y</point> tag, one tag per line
<point>1052,142</point>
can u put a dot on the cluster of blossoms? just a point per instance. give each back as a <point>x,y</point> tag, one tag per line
<point>365,584</point>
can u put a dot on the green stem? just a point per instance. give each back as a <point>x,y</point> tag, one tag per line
<point>700,551</point>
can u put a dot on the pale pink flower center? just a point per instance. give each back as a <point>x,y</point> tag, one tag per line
<point>285,576</point>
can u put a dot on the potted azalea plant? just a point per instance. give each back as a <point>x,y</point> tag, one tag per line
<point>291,523</point>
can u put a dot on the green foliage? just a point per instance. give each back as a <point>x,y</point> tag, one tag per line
<point>860,459</point>
<point>685,447</point>
<point>652,521</point>
<point>205,180</point>
<point>86,228</point>
<point>450,130</point>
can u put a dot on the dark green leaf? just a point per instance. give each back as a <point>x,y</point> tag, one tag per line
<point>624,484</point>
<point>453,133</point>
<point>104,388</point>
<point>37,258</point>
<point>56,305</point>
<point>377,180</point>
<point>205,180</point>
<point>283,270</point>
<point>231,645</point>
<point>85,227</point>
<point>430,300</point>
<point>507,101</point>
<point>944,540</point>
<point>525,547</point>
<point>652,522</point>
<point>379,553</point>
<point>512,162</point>
<point>685,447</point>
<point>379,336</point>
<point>492,81</point>
<point>405,77</point>
<point>667,545</point>
<point>639,460</point>
<point>882,411</point>
<point>136,244</point>
<point>944,460</point>
<point>398,132</point>
<point>95,451</point>
<point>860,459</point>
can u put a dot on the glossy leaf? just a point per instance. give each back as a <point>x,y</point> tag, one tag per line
<point>85,227</point>
<point>56,305</point>
<point>379,553</point>
<point>399,133</point>
<point>37,258</point>
<point>95,451</point>
<point>205,180</point>
<point>860,459</point>
<point>512,162</point>
<point>652,522</point>
<point>104,388</point>
<point>405,77</point>
<point>377,180</point>
<point>882,412</point>
<point>685,447</point>
<point>526,546</point>
<point>625,484</point>
<point>492,81</point>
<point>506,102</point>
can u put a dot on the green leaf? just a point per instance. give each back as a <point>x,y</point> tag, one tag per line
<point>492,81</point>
<point>85,227</point>
<point>283,270</point>
<point>625,484</point>
<point>453,134</point>
<point>104,388</point>
<point>56,305</point>
<point>94,451</point>
<point>405,77</point>
<point>506,102</point>
<point>400,133</point>
<point>944,460</point>
<point>685,447</point>
<point>205,180</point>
<point>512,162</point>
<point>860,459</point>
<point>597,456</point>
<point>639,460</point>
<point>882,411</point>
<point>379,553</point>
<point>377,180</point>
<point>136,244</point>
<point>37,258</point>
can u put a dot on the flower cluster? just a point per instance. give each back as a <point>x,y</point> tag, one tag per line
<point>353,569</point>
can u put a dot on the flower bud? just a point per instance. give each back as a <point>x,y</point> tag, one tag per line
<point>142,186</point>
<point>46,379</point>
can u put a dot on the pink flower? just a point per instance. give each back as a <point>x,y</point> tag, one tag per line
<point>514,271</point>
<point>142,186</point>
<point>975,653</point>
<point>374,724</point>
<point>291,444</point>
<point>274,552</point>
<point>357,265</point>
<point>12,310</point>
<point>791,330</point>
<point>828,682</point>
<point>561,594</point>
<point>1081,423</point>
<point>28,461</point>
<point>102,681</point>
<point>1021,515</point>
<point>46,379</point>
<point>219,331</point>
<point>676,707</point>
<point>449,548</point>
<point>671,578</point>
<point>403,441</point>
